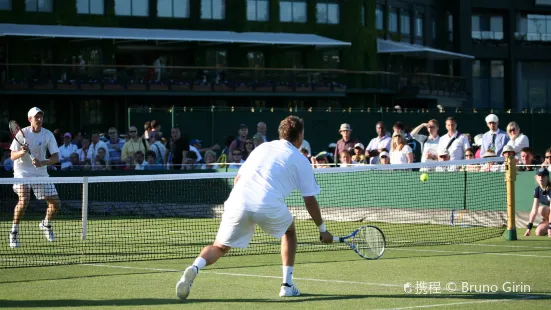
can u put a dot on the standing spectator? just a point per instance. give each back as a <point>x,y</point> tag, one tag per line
<point>66,150</point>
<point>95,146</point>
<point>114,147</point>
<point>495,139</point>
<point>346,144</point>
<point>157,147</point>
<point>258,140</point>
<point>453,141</point>
<point>239,143</point>
<point>134,144</point>
<point>377,144</point>
<point>398,126</point>
<point>516,139</point>
<point>261,129</point>
<point>429,144</point>
<point>476,145</point>
<point>237,159</point>
<point>179,147</point>
<point>146,129</point>
<point>156,127</point>
<point>400,152</point>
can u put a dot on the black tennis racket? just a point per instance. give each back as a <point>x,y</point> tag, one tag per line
<point>19,136</point>
<point>367,241</point>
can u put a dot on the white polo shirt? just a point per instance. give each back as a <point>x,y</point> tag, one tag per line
<point>38,143</point>
<point>457,148</point>
<point>269,175</point>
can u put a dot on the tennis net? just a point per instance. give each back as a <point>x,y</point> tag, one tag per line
<point>148,217</point>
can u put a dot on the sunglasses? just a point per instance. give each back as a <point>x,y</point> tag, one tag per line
<point>512,130</point>
<point>384,157</point>
<point>547,156</point>
<point>469,155</point>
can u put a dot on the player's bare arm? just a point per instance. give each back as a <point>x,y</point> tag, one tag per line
<point>15,155</point>
<point>314,210</point>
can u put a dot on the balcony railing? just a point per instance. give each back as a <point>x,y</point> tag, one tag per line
<point>75,78</point>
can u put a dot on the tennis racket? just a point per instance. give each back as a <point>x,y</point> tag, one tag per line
<point>18,135</point>
<point>367,241</point>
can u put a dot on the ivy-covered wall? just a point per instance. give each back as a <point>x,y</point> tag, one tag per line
<point>360,56</point>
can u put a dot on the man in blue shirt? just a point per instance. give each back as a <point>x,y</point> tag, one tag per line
<point>495,139</point>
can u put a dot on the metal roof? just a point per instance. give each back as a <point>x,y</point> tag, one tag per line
<point>80,32</point>
<point>414,50</point>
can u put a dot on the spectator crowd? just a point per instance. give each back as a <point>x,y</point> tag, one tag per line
<point>149,150</point>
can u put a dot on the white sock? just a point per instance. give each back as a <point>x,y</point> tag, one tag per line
<point>200,263</point>
<point>45,222</point>
<point>288,274</point>
<point>14,227</point>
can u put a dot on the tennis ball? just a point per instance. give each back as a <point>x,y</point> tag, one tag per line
<point>424,177</point>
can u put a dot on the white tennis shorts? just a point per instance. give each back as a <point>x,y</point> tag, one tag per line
<point>41,191</point>
<point>237,226</point>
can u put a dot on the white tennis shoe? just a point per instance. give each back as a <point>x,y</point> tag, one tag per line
<point>288,290</point>
<point>48,231</point>
<point>183,287</point>
<point>14,239</point>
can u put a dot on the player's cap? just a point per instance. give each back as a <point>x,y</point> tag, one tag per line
<point>383,154</point>
<point>492,118</point>
<point>345,126</point>
<point>67,134</point>
<point>542,172</point>
<point>195,141</point>
<point>359,145</point>
<point>33,111</point>
<point>443,152</point>
<point>508,148</point>
<point>489,154</point>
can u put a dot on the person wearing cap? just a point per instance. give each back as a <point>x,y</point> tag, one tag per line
<point>508,151</point>
<point>495,139</point>
<point>377,144</point>
<point>346,144</point>
<point>384,157</point>
<point>30,162</point>
<point>476,145</point>
<point>453,141</point>
<point>541,205</point>
<point>516,139</point>
<point>239,142</point>
<point>195,146</point>
<point>66,150</point>
<point>429,144</point>
<point>444,155</point>
<point>491,166</point>
<point>359,157</point>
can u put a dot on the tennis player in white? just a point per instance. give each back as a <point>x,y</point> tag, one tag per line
<point>38,141</point>
<point>266,178</point>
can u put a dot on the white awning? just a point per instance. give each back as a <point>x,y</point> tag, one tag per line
<point>414,50</point>
<point>78,32</point>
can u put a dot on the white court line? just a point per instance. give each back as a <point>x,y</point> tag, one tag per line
<point>505,246</point>
<point>452,304</point>
<point>462,252</point>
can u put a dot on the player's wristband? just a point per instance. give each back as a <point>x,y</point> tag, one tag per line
<point>322,227</point>
<point>530,225</point>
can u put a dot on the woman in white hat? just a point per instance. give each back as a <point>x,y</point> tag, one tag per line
<point>517,140</point>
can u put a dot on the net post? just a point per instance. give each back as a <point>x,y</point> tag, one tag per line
<point>84,207</point>
<point>510,178</point>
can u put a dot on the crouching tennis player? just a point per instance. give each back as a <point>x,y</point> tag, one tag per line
<point>266,178</point>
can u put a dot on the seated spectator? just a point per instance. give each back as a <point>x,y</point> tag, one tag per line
<point>384,157</point>
<point>469,155</point>
<point>139,160</point>
<point>258,139</point>
<point>210,161</point>
<point>130,164</point>
<point>237,159</point>
<point>541,204</point>
<point>151,158</point>
<point>321,160</point>
<point>400,152</point>
<point>83,152</point>
<point>476,145</point>
<point>345,159</point>
<point>547,160</point>
<point>517,140</point>
<point>102,154</point>
<point>306,145</point>
<point>527,161</point>
<point>99,165</point>
<point>443,156</point>
<point>304,152</point>
<point>359,157</point>
<point>66,150</point>
<point>191,162</point>
<point>490,166</point>
<point>74,163</point>
<point>508,150</point>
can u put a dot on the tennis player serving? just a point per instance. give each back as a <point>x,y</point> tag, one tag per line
<point>541,204</point>
<point>263,182</point>
<point>38,140</point>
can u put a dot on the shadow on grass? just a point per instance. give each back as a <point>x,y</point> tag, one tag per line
<point>87,276</point>
<point>302,298</point>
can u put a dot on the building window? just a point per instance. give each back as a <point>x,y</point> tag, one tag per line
<point>293,11</point>
<point>533,85</point>
<point>543,2</point>
<point>331,59</point>
<point>450,27</point>
<point>216,58</point>
<point>173,8</point>
<point>533,27</point>
<point>258,10</point>
<point>132,7</point>
<point>255,59</point>
<point>90,7</point>
<point>488,84</point>
<point>486,27</point>
<point>5,5</point>
<point>393,20</point>
<point>213,9</point>
<point>328,13</point>
<point>379,17</point>
<point>419,20</point>
<point>39,5</point>
<point>405,28</point>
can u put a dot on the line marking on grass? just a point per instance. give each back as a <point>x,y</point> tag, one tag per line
<point>451,304</point>
<point>506,246</point>
<point>463,252</point>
